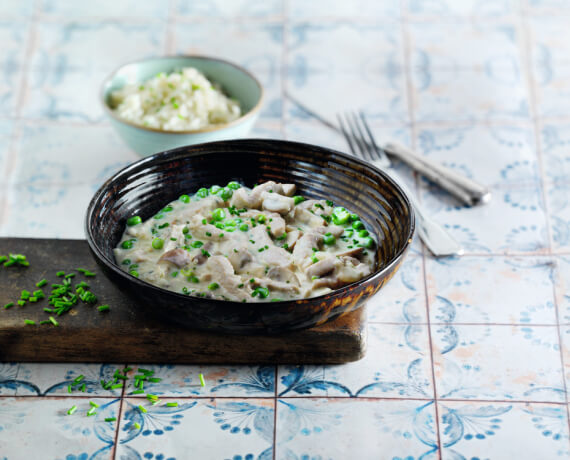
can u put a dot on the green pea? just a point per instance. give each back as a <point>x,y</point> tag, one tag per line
<point>184,198</point>
<point>329,239</point>
<point>226,194</point>
<point>261,218</point>
<point>363,233</point>
<point>158,216</point>
<point>193,279</point>
<point>298,199</point>
<point>220,225</point>
<point>202,193</point>
<point>213,286</point>
<point>215,189</point>
<point>134,273</point>
<point>128,244</point>
<point>234,185</point>
<point>348,232</point>
<point>126,262</point>
<point>167,209</point>
<point>218,214</point>
<point>244,227</point>
<point>157,243</point>
<point>340,215</point>
<point>357,225</point>
<point>197,244</point>
<point>354,217</point>
<point>368,242</point>
<point>185,230</point>
<point>262,292</point>
<point>230,223</point>
<point>135,220</point>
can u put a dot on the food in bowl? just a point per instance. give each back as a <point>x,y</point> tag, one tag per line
<point>248,245</point>
<point>182,100</point>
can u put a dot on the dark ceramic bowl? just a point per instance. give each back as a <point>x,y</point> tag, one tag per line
<point>147,185</point>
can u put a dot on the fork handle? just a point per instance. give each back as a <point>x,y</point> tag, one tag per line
<point>434,236</point>
<point>468,191</point>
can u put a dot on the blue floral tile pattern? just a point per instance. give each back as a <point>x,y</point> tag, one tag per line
<point>489,430</point>
<point>467,358</point>
<point>234,428</point>
<point>482,290</point>
<point>397,366</point>
<point>315,428</point>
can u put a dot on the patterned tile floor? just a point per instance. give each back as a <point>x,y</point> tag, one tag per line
<point>468,358</point>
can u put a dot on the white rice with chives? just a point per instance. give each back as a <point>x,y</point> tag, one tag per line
<point>183,100</point>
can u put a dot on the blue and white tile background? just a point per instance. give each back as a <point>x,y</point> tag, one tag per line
<point>468,358</point>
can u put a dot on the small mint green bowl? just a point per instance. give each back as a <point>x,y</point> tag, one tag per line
<point>235,81</point>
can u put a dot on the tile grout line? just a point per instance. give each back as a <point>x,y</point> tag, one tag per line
<point>531,82</point>
<point>292,398</point>
<point>121,400</point>
<point>275,396</point>
<point>407,51</point>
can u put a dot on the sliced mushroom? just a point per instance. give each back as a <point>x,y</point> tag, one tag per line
<point>283,275</point>
<point>322,267</point>
<point>178,257</point>
<point>277,203</point>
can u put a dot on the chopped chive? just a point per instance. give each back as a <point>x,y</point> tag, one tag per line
<point>154,379</point>
<point>53,321</point>
<point>83,388</point>
<point>111,419</point>
<point>145,371</point>
<point>137,392</point>
<point>91,411</point>
<point>8,305</point>
<point>21,303</point>
<point>71,410</point>
<point>69,389</point>
<point>41,283</point>
<point>29,321</point>
<point>202,382</point>
<point>171,404</point>
<point>78,379</point>
<point>142,409</point>
<point>151,397</point>
<point>136,425</point>
<point>60,273</point>
<point>94,404</point>
<point>45,322</point>
<point>117,385</point>
<point>103,307</point>
<point>69,275</point>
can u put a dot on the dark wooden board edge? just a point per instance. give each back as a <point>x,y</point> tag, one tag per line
<point>126,335</point>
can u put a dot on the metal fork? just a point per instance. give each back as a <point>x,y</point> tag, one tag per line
<point>436,239</point>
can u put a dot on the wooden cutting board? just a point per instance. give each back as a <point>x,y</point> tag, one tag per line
<point>124,334</point>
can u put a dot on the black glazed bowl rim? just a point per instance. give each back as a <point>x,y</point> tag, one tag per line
<point>189,149</point>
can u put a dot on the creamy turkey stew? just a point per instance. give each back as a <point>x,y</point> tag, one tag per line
<point>248,245</point>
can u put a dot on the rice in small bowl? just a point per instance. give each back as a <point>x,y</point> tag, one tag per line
<point>162,103</point>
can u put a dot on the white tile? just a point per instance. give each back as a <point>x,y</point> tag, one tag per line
<point>489,154</point>
<point>477,8</point>
<point>402,299</point>
<point>54,379</point>
<point>257,47</point>
<point>93,46</point>
<point>181,380</point>
<point>220,428</point>
<point>49,155</point>
<point>258,9</point>
<point>396,365</point>
<point>498,363</point>
<point>300,9</point>
<point>104,8</point>
<point>514,221</point>
<point>13,36</point>
<point>502,430</point>
<point>496,93</point>
<point>474,44</point>
<point>491,290</point>
<point>562,288</point>
<point>29,426</point>
<point>47,211</point>
<point>363,429</point>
